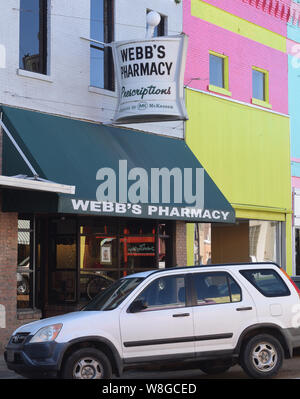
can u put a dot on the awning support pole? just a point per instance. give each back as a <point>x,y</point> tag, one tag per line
<point>35,174</point>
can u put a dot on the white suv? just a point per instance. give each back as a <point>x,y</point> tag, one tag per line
<point>212,316</point>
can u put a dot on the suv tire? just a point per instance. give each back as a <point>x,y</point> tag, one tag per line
<point>87,363</point>
<point>262,356</point>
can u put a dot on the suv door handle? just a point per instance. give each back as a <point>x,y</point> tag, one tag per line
<point>181,314</point>
<point>245,308</point>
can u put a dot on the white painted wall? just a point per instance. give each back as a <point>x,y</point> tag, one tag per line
<point>66,91</point>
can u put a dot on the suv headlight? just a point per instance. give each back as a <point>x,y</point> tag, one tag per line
<point>47,334</point>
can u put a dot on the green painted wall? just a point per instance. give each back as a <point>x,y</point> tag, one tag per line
<point>246,151</point>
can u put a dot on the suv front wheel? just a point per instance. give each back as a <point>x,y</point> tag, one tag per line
<point>87,363</point>
<point>262,356</point>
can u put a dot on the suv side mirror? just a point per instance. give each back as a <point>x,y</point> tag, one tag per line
<point>137,306</point>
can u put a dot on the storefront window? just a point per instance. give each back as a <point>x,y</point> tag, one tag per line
<point>202,244</point>
<point>264,241</point>
<point>162,245</point>
<point>244,241</point>
<point>63,261</point>
<point>79,257</point>
<point>109,251</point>
<point>25,268</point>
<point>98,259</point>
<point>137,247</point>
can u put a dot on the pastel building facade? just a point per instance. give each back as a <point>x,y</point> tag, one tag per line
<point>293,47</point>
<point>237,100</point>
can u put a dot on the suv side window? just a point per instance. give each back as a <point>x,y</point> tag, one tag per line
<point>216,288</point>
<point>267,282</point>
<point>164,293</point>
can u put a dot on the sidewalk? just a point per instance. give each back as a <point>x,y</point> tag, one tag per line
<point>5,373</point>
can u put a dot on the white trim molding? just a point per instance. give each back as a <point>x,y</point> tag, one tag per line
<point>34,184</point>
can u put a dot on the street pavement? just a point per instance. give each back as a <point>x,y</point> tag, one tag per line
<point>290,370</point>
<point>5,373</point>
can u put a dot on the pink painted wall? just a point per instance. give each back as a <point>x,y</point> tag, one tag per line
<point>243,53</point>
<point>243,9</point>
<point>296,182</point>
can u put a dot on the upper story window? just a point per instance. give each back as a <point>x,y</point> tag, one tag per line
<point>101,64</point>
<point>218,73</point>
<point>33,36</point>
<point>260,87</point>
<point>161,28</point>
<point>216,70</point>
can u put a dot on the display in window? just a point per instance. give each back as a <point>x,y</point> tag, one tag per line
<point>105,251</point>
<point>80,266</point>
<point>23,277</point>
<point>137,252</point>
<point>202,244</point>
<point>264,241</point>
<point>24,268</point>
<point>141,249</point>
<point>98,251</point>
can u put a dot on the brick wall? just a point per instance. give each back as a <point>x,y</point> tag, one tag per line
<point>26,316</point>
<point>180,244</point>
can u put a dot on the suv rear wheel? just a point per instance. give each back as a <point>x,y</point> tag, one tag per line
<point>262,356</point>
<point>87,363</point>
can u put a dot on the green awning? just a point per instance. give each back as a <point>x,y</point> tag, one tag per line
<point>74,152</point>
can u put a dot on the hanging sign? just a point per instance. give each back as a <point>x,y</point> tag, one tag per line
<point>150,75</point>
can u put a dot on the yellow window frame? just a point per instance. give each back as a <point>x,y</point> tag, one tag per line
<point>222,90</point>
<point>266,102</point>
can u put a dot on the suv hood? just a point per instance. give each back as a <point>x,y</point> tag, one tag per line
<point>65,319</point>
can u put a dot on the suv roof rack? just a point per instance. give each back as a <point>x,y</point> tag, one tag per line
<point>215,265</point>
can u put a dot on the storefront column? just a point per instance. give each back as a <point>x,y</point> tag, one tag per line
<point>180,244</point>
<point>287,244</point>
<point>8,275</point>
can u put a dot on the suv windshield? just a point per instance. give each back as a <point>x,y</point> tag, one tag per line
<point>115,294</point>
